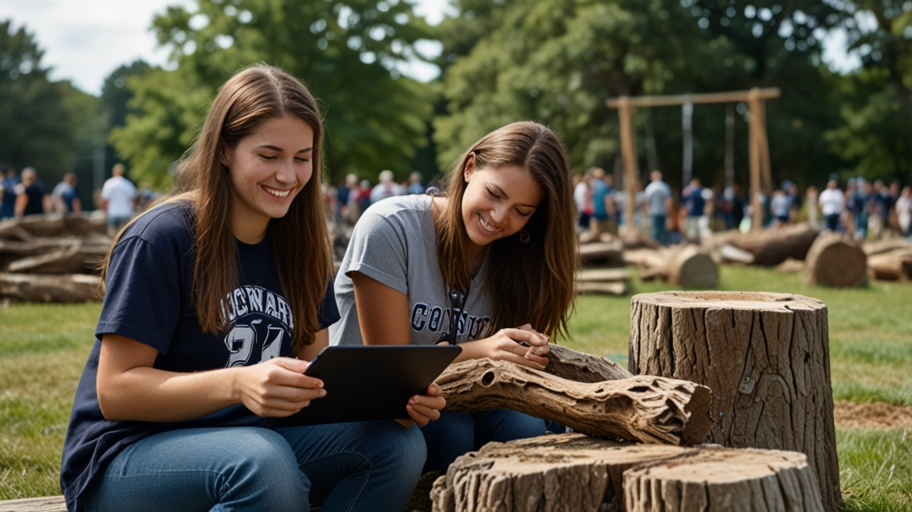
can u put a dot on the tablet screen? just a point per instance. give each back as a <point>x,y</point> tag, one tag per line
<point>365,383</point>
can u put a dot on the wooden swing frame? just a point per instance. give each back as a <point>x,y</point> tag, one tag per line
<point>760,174</point>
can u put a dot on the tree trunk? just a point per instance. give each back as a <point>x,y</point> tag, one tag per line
<point>50,288</point>
<point>835,260</point>
<point>724,479</point>
<point>606,254</point>
<point>769,247</point>
<point>687,266</point>
<point>576,473</point>
<point>645,408</point>
<point>764,355</point>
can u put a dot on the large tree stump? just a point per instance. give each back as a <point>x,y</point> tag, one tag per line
<point>576,473</point>
<point>764,355</point>
<point>835,260</point>
<point>645,408</point>
<point>688,265</point>
<point>724,479</point>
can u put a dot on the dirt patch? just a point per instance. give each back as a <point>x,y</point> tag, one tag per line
<point>872,415</point>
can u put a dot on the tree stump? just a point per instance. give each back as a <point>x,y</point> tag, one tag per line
<point>836,260</point>
<point>764,355</point>
<point>577,473</point>
<point>645,408</point>
<point>722,479</point>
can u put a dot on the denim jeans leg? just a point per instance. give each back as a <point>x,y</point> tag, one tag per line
<point>235,468</point>
<point>447,438</point>
<point>364,466</point>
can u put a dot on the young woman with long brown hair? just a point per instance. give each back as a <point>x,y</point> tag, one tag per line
<point>489,265</point>
<point>215,301</point>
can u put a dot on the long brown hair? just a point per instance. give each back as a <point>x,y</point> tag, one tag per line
<point>529,282</point>
<point>249,98</point>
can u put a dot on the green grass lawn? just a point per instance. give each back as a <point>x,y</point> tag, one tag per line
<point>43,348</point>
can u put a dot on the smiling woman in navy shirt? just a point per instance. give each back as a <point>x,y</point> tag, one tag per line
<point>215,301</point>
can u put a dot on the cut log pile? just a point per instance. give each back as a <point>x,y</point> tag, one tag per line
<point>890,260</point>
<point>52,257</point>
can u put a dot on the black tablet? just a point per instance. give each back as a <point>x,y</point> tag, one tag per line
<point>371,382</point>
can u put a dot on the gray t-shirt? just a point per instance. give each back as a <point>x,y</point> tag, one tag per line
<point>657,192</point>
<point>394,243</point>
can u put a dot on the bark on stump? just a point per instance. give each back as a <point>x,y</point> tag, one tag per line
<point>577,473</point>
<point>836,260</point>
<point>645,408</point>
<point>764,355</point>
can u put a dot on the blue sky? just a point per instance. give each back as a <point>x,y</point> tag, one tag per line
<point>85,40</point>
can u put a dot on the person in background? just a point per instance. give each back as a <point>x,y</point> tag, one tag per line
<point>363,197</point>
<point>31,196</point>
<point>791,190</point>
<point>709,207</point>
<point>881,206</point>
<point>657,204</point>
<point>895,192</point>
<point>781,208</point>
<point>414,184</point>
<point>832,204</point>
<point>904,212</point>
<point>489,264</point>
<point>345,199</point>
<point>732,207</point>
<point>602,203</point>
<point>65,197</point>
<point>695,205</point>
<point>858,203</point>
<point>386,188</point>
<point>118,199</point>
<point>583,198</point>
<point>8,192</point>
<point>811,201</point>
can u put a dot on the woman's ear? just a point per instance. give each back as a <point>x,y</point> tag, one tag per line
<point>224,153</point>
<point>469,167</point>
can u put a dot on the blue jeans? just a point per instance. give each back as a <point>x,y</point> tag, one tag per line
<point>457,433</point>
<point>658,229</point>
<point>346,466</point>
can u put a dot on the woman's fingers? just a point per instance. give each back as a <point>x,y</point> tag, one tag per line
<point>531,337</point>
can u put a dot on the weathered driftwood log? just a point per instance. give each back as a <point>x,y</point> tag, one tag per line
<point>609,281</point>
<point>577,473</point>
<point>764,355</point>
<point>835,260</point>
<point>895,265</point>
<point>769,247</point>
<point>685,265</point>
<point>581,367</point>
<point>49,288</point>
<point>724,479</point>
<point>607,254</point>
<point>645,408</point>
<point>53,225</point>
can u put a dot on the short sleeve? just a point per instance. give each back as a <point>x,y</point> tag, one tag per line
<point>378,249</point>
<point>142,299</point>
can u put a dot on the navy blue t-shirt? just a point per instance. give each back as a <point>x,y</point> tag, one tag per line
<point>148,299</point>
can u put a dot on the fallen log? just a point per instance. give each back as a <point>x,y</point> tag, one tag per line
<point>895,265</point>
<point>49,288</point>
<point>645,408</point>
<point>576,473</point>
<point>684,265</point>
<point>608,254</point>
<point>886,245</point>
<point>836,260</point>
<point>581,367</point>
<point>764,355</point>
<point>78,258</point>
<point>51,225</point>
<point>603,281</point>
<point>791,266</point>
<point>769,247</point>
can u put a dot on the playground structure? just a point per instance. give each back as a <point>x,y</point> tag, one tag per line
<point>760,174</point>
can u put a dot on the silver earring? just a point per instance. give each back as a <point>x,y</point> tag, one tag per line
<point>524,236</point>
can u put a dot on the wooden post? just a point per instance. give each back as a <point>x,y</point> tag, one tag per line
<point>629,155</point>
<point>765,356</point>
<point>756,187</point>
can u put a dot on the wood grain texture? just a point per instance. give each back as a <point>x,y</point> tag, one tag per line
<point>836,260</point>
<point>647,409</point>
<point>764,355</point>
<point>46,504</point>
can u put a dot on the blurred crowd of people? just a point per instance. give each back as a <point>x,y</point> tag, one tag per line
<point>345,203</point>
<point>862,209</point>
<point>26,195</point>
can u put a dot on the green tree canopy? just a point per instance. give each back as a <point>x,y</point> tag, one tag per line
<point>346,52</point>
